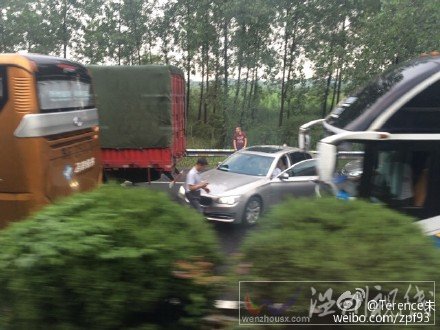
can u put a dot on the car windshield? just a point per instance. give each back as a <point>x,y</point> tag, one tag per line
<point>248,164</point>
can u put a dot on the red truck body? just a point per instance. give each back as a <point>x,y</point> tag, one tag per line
<point>147,163</point>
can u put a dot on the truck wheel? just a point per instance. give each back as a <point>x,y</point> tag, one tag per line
<point>104,177</point>
<point>154,175</point>
<point>135,175</point>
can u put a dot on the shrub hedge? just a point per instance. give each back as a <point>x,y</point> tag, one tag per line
<point>334,240</point>
<point>113,258</point>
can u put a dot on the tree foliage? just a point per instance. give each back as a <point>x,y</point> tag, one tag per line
<point>238,50</point>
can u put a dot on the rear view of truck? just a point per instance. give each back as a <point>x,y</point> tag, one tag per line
<point>142,119</point>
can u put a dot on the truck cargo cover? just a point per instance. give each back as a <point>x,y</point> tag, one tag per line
<point>134,104</point>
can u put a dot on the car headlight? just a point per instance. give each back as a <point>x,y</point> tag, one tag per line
<point>230,200</point>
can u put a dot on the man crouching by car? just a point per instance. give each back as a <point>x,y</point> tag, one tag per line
<point>194,184</point>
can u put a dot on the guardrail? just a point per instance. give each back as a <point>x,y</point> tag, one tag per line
<point>227,152</point>
<point>208,152</point>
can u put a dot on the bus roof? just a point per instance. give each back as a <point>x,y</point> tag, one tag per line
<point>38,62</point>
<point>360,110</point>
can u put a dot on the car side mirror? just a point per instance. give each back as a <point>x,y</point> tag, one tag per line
<point>284,176</point>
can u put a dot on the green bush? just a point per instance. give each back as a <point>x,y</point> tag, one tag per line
<point>333,240</point>
<point>113,258</point>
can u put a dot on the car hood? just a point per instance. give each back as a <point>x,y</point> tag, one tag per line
<point>223,183</point>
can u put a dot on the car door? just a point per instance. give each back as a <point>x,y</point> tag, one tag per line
<point>297,181</point>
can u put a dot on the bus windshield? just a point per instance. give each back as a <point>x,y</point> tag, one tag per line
<point>392,83</point>
<point>354,106</point>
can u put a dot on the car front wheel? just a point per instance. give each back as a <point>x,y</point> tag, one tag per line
<point>252,211</point>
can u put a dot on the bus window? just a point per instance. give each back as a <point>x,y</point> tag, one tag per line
<point>61,95</point>
<point>396,173</point>
<point>400,177</point>
<point>349,168</point>
<point>392,178</point>
<point>420,115</point>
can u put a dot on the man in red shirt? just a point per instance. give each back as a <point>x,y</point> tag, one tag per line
<point>240,139</point>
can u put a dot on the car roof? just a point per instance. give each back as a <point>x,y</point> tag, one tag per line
<point>270,150</point>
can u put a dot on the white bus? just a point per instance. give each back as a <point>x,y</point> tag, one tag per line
<point>394,123</point>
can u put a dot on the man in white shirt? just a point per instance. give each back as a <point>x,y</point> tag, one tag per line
<point>277,171</point>
<point>194,184</point>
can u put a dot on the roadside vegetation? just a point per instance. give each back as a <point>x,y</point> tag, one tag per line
<point>268,66</point>
<point>261,128</point>
<point>187,163</point>
<point>110,259</point>
<point>334,240</point>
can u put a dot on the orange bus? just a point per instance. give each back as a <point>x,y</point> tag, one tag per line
<point>48,133</point>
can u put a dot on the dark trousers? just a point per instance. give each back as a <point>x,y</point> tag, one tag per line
<point>194,200</point>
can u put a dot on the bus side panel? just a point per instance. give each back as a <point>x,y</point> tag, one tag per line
<point>178,113</point>
<point>21,173</point>
<point>74,165</point>
<point>14,168</point>
<point>15,207</point>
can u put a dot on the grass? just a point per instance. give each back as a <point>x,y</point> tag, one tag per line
<point>188,162</point>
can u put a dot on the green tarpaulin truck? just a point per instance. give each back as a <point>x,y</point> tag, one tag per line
<point>142,119</point>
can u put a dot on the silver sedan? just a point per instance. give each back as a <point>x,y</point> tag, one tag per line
<point>251,180</point>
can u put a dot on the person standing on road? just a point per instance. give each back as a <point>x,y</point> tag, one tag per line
<point>194,184</point>
<point>240,139</point>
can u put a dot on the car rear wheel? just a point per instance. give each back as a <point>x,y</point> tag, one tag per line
<point>252,211</point>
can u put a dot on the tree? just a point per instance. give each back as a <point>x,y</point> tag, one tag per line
<point>11,33</point>
<point>394,32</point>
<point>292,24</point>
<point>61,22</point>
